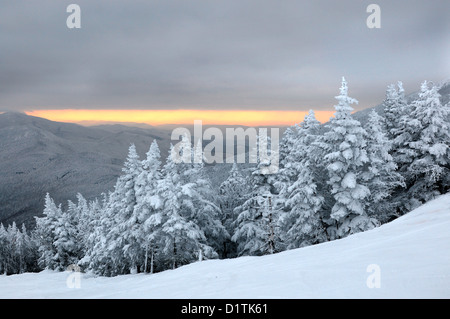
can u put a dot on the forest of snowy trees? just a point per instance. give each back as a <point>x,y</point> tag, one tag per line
<point>334,180</point>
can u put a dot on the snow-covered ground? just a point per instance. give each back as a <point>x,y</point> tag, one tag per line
<point>407,258</point>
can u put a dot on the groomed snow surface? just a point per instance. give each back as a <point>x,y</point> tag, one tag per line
<point>407,258</point>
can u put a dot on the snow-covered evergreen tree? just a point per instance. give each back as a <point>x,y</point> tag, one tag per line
<point>256,224</point>
<point>302,148</point>
<point>256,227</point>
<point>66,238</point>
<point>301,221</point>
<point>29,251</point>
<point>287,173</point>
<point>298,145</point>
<point>95,258</point>
<point>232,193</point>
<point>9,253</point>
<point>425,147</point>
<point>16,242</point>
<point>148,203</point>
<point>124,237</point>
<point>4,253</point>
<point>287,143</point>
<point>381,176</point>
<point>45,231</point>
<point>83,218</point>
<point>21,250</point>
<point>11,249</point>
<point>302,224</point>
<point>205,209</point>
<point>344,145</point>
<point>180,238</point>
<point>395,107</point>
<point>118,248</point>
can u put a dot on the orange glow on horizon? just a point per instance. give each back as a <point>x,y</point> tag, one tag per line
<point>160,117</point>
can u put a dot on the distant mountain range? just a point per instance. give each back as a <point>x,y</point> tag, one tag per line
<point>39,156</point>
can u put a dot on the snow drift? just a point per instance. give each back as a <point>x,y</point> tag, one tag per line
<point>407,258</point>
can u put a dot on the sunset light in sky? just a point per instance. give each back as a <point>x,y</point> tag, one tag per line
<point>160,117</point>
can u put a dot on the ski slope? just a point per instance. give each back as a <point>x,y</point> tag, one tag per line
<point>407,258</point>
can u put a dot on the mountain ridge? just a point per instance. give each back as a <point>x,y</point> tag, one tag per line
<point>39,156</point>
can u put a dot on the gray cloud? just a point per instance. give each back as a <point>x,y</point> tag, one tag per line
<point>246,54</point>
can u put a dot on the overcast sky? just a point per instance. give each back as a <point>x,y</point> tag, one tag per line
<point>211,54</point>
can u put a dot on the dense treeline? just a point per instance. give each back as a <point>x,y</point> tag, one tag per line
<point>333,181</point>
<point>18,250</point>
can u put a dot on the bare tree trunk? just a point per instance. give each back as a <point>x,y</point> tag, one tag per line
<point>271,230</point>
<point>146,258</point>
<point>225,249</point>
<point>151,262</point>
<point>174,254</point>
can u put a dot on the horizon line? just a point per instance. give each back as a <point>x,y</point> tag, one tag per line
<point>179,116</point>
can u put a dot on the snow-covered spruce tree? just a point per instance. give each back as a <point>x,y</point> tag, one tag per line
<point>124,244</point>
<point>344,145</point>
<point>45,233</point>
<point>148,204</point>
<point>58,236</point>
<point>12,263</point>
<point>94,235</point>
<point>232,194</point>
<point>381,176</point>
<point>95,258</point>
<point>13,247</point>
<point>29,251</point>
<point>286,173</point>
<point>180,240</point>
<point>21,250</point>
<point>70,233</point>
<point>11,250</point>
<point>116,249</point>
<point>84,219</point>
<point>425,147</point>
<point>301,148</point>
<point>198,201</point>
<point>206,211</point>
<point>67,241</point>
<point>4,252</point>
<point>293,152</point>
<point>311,143</point>
<point>90,231</point>
<point>395,107</point>
<point>301,222</point>
<point>304,146</point>
<point>256,227</point>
